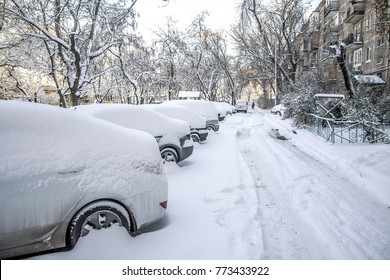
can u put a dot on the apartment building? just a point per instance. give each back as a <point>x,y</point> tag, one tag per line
<point>355,24</point>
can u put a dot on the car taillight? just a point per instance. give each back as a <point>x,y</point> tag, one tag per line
<point>164,204</point>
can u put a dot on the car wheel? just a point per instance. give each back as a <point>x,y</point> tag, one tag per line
<point>102,214</point>
<point>210,127</point>
<point>195,138</point>
<point>169,155</point>
<point>277,113</point>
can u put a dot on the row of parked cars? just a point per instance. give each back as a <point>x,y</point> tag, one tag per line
<point>65,172</point>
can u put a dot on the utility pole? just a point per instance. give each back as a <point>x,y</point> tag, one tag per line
<point>276,77</point>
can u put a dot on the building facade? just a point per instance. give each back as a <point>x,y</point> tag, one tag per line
<point>353,23</point>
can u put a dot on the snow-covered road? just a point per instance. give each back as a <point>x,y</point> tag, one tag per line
<point>309,209</point>
<point>245,194</point>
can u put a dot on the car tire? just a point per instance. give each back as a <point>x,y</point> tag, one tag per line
<point>98,215</point>
<point>169,155</point>
<point>195,137</point>
<point>277,113</point>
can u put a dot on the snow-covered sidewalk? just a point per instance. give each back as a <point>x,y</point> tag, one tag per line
<point>244,194</point>
<point>313,205</point>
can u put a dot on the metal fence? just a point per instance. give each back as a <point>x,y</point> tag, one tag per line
<point>337,131</point>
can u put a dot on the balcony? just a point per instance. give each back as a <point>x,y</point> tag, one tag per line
<point>332,8</point>
<point>357,69</point>
<point>355,11</point>
<point>314,22</point>
<point>334,28</point>
<point>354,40</point>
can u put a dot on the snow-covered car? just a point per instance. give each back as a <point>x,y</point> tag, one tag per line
<point>203,108</point>
<point>173,136</point>
<point>241,105</point>
<point>278,109</point>
<point>63,174</point>
<point>221,109</point>
<point>230,110</point>
<point>196,122</point>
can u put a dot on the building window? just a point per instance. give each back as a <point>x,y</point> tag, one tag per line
<point>368,54</point>
<point>358,33</point>
<point>381,42</point>
<point>379,60</point>
<point>357,57</point>
<point>369,22</point>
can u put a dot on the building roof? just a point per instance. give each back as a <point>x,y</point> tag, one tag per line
<point>189,94</point>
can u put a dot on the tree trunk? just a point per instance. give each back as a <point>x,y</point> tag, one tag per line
<point>342,61</point>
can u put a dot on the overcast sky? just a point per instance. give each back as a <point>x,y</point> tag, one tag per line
<point>153,14</point>
<point>222,13</point>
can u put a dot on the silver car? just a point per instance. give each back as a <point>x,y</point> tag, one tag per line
<point>63,174</point>
<point>172,135</point>
<point>241,105</point>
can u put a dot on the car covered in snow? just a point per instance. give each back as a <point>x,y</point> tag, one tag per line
<point>196,122</point>
<point>230,110</point>
<point>203,108</point>
<point>241,105</point>
<point>278,109</point>
<point>173,136</point>
<point>63,174</point>
<point>221,109</point>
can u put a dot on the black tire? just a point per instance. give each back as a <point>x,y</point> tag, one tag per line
<point>195,137</point>
<point>169,155</point>
<point>98,215</point>
<point>278,113</point>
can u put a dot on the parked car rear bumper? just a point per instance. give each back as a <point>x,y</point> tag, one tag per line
<point>186,152</point>
<point>203,135</point>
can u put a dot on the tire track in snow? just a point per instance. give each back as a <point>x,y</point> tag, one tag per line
<point>241,217</point>
<point>307,209</point>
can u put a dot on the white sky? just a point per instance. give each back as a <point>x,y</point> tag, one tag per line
<point>153,14</point>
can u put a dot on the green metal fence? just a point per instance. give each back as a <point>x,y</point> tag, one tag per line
<point>337,131</point>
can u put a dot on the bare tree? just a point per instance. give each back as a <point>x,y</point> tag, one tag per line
<point>266,36</point>
<point>76,33</point>
<point>169,47</point>
<point>208,65</point>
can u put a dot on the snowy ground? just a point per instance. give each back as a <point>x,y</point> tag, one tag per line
<point>245,194</point>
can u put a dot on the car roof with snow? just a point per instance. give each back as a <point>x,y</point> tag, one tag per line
<point>221,109</point>
<point>52,139</point>
<point>136,117</point>
<point>180,112</point>
<point>202,107</point>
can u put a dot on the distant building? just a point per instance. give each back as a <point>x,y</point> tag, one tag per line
<point>189,95</point>
<point>354,23</point>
